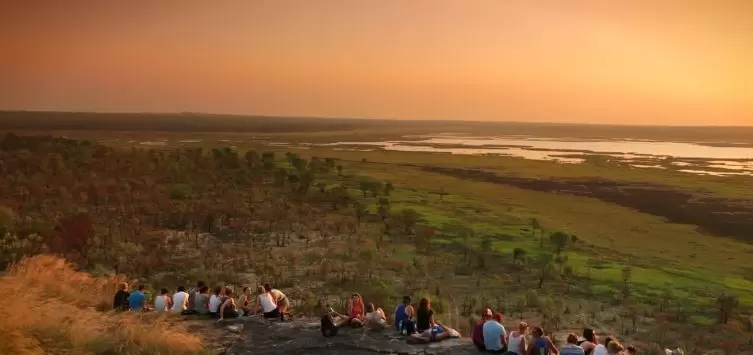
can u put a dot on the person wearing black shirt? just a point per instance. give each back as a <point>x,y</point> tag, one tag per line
<point>120,303</point>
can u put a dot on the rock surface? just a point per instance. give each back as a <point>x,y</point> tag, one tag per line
<point>257,336</point>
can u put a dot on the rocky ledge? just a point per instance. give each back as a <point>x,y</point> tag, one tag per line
<point>254,335</point>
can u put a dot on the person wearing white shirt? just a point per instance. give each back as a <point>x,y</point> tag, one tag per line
<point>180,300</point>
<point>162,303</point>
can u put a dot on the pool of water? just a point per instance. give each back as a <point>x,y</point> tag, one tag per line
<point>691,158</point>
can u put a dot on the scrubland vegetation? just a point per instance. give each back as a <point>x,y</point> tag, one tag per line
<point>323,223</point>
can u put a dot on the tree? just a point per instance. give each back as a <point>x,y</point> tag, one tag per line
<point>518,254</point>
<point>559,241</point>
<point>535,226</point>
<point>408,219</point>
<point>388,188</point>
<point>547,270</point>
<point>727,304</point>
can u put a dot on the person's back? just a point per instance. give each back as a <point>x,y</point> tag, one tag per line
<point>477,335</point>
<point>516,341</point>
<point>493,332</point>
<point>540,346</point>
<point>201,302</point>
<point>571,348</point>
<point>136,299</point>
<point>424,315</point>
<point>600,349</point>
<point>180,300</point>
<point>120,301</point>
<point>400,315</point>
<point>160,303</point>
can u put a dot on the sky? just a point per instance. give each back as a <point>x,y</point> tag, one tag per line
<point>669,62</point>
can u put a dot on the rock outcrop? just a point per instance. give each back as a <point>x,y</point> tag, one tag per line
<point>257,336</point>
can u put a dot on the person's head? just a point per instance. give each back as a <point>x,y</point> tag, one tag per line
<point>268,287</point>
<point>142,288</point>
<point>262,290</point>
<point>424,304</point>
<point>614,347</point>
<point>181,288</point>
<point>406,300</point>
<point>522,327</point>
<point>200,284</point>
<point>356,298</point>
<point>204,289</point>
<point>370,308</point>
<point>608,340</point>
<point>630,350</point>
<point>217,290</point>
<point>538,332</point>
<point>486,314</point>
<point>228,292</point>
<point>572,339</point>
<point>163,291</point>
<point>123,286</point>
<point>589,334</point>
<point>498,317</point>
<point>247,290</point>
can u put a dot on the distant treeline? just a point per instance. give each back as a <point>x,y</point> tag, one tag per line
<point>174,122</point>
<point>200,122</point>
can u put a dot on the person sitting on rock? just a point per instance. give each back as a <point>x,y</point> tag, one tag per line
<point>180,301</point>
<point>282,301</point>
<point>229,309</point>
<point>541,344</point>
<point>331,322</point>
<point>267,304</point>
<point>192,297</point>
<point>163,302</point>
<point>120,301</point>
<point>201,301</point>
<point>615,348</point>
<point>244,301</point>
<point>424,315</point>
<point>374,319</point>
<point>437,332</point>
<point>495,336</point>
<point>477,333</point>
<point>356,310</point>
<point>516,341</point>
<point>404,314</point>
<point>590,341</point>
<point>601,349</point>
<point>137,299</point>
<point>571,348</point>
<point>215,301</point>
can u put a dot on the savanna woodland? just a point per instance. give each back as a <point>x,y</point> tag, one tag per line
<point>77,217</point>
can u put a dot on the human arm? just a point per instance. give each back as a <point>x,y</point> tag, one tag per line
<point>222,308</point>
<point>523,342</point>
<point>552,348</point>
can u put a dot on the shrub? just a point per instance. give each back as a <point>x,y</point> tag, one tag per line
<point>56,313</point>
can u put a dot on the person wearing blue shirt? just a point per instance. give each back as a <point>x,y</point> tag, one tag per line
<point>137,299</point>
<point>495,337</point>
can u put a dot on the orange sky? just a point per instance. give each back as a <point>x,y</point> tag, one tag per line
<point>598,61</point>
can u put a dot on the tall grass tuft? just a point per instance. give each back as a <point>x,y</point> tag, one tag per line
<point>50,308</point>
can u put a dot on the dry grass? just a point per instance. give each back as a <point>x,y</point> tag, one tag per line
<point>52,309</point>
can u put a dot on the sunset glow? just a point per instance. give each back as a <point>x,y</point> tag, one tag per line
<point>642,61</point>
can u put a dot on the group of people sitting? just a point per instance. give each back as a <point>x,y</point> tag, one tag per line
<point>220,303</point>
<point>418,324</point>
<point>489,335</point>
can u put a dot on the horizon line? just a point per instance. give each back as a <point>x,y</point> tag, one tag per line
<point>239,115</point>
